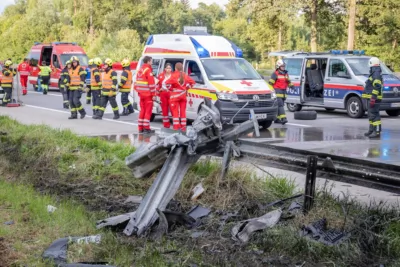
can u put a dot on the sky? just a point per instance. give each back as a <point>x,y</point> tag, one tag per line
<point>194,3</point>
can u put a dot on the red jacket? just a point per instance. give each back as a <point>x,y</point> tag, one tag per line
<point>161,79</point>
<point>145,84</point>
<point>179,89</point>
<point>24,69</point>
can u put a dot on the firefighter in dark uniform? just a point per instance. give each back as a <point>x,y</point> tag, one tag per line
<point>125,87</point>
<point>109,84</point>
<point>75,82</point>
<point>373,94</point>
<point>280,81</point>
<point>95,85</point>
<point>7,82</point>
<point>62,86</point>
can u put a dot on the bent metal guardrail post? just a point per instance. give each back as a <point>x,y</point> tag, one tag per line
<point>176,152</point>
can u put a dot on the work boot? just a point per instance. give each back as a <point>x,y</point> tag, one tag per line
<point>284,121</point>
<point>148,131</point>
<point>97,117</point>
<point>277,121</point>
<point>376,132</point>
<point>83,114</point>
<point>125,112</point>
<point>371,129</point>
<point>45,92</point>
<point>73,116</point>
<point>130,109</point>
<point>141,131</point>
<point>116,115</point>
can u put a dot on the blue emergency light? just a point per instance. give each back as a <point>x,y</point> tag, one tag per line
<point>238,51</point>
<point>386,88</point>
<point>201,51</point>
<point>150,40</point>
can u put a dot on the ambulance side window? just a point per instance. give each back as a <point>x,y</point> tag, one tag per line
<point>56,64</point>
<point>155,66</point>
<point>337,68</point>
<point>194,72</point>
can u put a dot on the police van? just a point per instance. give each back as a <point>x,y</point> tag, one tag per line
<point>335,80</point>
<point>220,72</point>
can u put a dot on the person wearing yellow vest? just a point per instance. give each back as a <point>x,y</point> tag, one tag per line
<point>109,91</point>
<point>45,72</point>
<point>95,85</point>
<point>125,87</point>
<point>75,82</point>
<point>7,82</point>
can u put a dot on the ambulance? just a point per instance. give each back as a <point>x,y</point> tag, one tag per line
<point>56,54</point>
<point>335,80</point>
<point>220,72</point>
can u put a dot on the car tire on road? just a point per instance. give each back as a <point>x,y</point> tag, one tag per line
<point>355,107</point>
<point>265,124</point>
<point>393,112</point>
<point>305,115</point>
<point>294,107</point>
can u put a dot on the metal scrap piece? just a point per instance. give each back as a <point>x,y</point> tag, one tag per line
<point>198,212</point>
<point>133,199</point>
<point>319,232</point>
<point>114,221</point>
<point>243,230</point>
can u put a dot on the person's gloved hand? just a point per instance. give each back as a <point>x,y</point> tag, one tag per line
<point>372,103</point>
<point>110,93</point>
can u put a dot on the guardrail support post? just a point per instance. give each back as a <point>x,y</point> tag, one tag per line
<point>311,177</point>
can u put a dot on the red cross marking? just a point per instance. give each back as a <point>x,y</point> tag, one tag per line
<point>190,102</point>
<point>246,83</point>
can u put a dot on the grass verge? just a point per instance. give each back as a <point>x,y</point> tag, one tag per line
<point>92,172</point>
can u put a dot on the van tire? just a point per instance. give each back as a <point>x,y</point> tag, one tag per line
<point>354,107</point>
<point>293,107</point>
<point>305,115</point>
<point>152,117</point>
<point>265,124</point>
<point>393,112</point>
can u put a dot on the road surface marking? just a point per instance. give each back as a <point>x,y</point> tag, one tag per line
<point>104,119</point>
<point>301,125</point>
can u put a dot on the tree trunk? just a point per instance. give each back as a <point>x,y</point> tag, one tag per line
<point>314,4</point>
<point>352,23</point>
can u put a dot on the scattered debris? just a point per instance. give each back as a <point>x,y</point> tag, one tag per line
<point>178,218</point>
<point>133,199</point>
<point>115,221</point>
<point>57,251</point>
<point>198,212</point>
<point>242,231</point>
<point>9,223</point>
<point>162,227</point>
<point>197,191</point>
<point>318,232</point>
<point>278,202</point>
<point>51,208</point>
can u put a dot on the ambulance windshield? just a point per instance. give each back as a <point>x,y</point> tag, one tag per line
<point>360,66</point>
<point>83,59</point>
<point>229,69</point>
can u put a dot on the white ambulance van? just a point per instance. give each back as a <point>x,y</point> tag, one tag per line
<point>220,72</point>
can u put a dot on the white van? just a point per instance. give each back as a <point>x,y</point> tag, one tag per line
<point>220,72</point>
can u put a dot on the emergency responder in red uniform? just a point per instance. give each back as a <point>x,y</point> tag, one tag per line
<point>61,84</point>
<point>125,87</point>
<point>280,81</point>
<point>109,91</point>
<point>163,92</point>
<point>145,86</point>
<point>75,82</point>
<point>24,71</point>
<point>179,83</point>
<point>95,85</point>
<point>7,82</point>
<point>373,94</point>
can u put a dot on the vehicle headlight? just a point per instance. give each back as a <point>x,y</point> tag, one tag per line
<point>273,95</point>
<point>227,96</point>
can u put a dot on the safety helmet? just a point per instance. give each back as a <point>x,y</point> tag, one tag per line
<point>68,62</point>
<point>280,63</point>
<point>97,61</point>
<point>74,58</point>
<point>373,61</point>
<point>8,63</point>
<point>91,61</point>
<point>108,62</point>
<point>126,63</point>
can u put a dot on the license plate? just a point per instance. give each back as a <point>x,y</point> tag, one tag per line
<point>260,116</point>
<point>395,105</point>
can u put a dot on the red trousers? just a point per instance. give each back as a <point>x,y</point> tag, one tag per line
<point>24,83</point>
<point>164,97</point>
<point>146,109</point>
<point>178,110</point>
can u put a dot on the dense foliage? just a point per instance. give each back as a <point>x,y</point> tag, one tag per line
<point>119,28</point>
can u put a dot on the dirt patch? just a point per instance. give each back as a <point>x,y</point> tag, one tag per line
<point>7,256</point>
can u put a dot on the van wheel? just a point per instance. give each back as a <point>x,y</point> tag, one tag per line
<point>265,124</point>
<point>393,113</point>
<point>294,107</point>
<point>305,115</point>
<point>152,117</point>
<point>354,107</point>
<point>329,109</point>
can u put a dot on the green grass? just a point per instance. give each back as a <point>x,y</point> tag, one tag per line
<point>87,180</point>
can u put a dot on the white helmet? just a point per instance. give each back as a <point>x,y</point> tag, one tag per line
<point>280,63</point>
<point>373,61</point>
